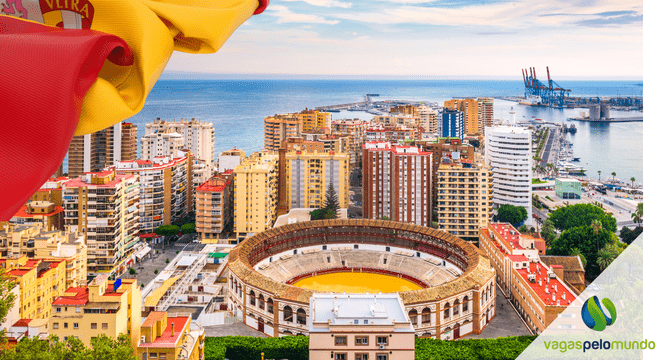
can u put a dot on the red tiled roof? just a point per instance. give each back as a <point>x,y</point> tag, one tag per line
<point>148,235</point>
<point>80,183</point>
<point>81,297</point>
<point>22,212</point>
<point>518,258</point>
<point>19,272</point>
<point>541,273</point>
<point>167,339</point>
<point>22,322</point>
<point>556,266</point>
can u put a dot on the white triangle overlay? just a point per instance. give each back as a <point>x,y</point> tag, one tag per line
<point>621,282</point>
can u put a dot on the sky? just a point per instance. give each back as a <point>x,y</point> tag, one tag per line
<point>577,39</point>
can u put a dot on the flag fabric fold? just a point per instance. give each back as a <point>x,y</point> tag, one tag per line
<point>51,86</point>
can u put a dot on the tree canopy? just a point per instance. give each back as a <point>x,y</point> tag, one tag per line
<point>584,240</point>
<point>331,199</point>
<point>188,228</point>
<point>579,215</point>
<point>102,347</point>
<point>6,296</point>
<point>511,214</point>
<point>628,236</point>
<point>548,232</point>
<point>320,214</point>
<point>167,230</point>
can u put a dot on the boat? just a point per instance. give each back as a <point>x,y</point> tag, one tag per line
<point>532,100</point>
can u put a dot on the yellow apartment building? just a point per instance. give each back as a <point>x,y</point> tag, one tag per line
<point>486,114</point>
<point>354,130</point>
<point>314,120</point>
<point>20,243</point>
<point>470,109</point>
<point>308,175</point>
<point>465,198</point>
<point>170,338</point>
<point>278,128</point>
<point>103,307</point>
<point>255,194</point>
<point>40,282</point>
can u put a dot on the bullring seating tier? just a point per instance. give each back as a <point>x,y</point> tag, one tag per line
<point>428,270</point>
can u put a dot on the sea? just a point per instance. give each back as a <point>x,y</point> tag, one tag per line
<point>237,109</point>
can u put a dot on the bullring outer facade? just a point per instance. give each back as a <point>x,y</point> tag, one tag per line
<point>458,282</point>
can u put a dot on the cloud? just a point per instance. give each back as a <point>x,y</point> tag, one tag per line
<point>285,15</point>
<point>326,3</point>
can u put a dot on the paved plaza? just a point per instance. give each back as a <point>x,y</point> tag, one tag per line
<point>235,329</point>
<point>145,270</point>
<point>506,322</point>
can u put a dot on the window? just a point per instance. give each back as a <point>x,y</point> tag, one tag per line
<point>104,326</point>
<point>56,325</point>
<point>426,316</point>
<point>412,314</point>
<point>94,326</point>
<point>381,357</point>
<point>75,325</point>
<point>153,355</point>
<point>366,322</point>
<point>66,325</point>
<point>381,340</point>
<point>162,356</point>
<point>340,340</point>
<point>361,340</point>
<point>59,309</point>
<point>340,356</point>
<point>288,314</point>
<point>270,305</point>
<point>356,322</point>
<point>361,356</point>
<point>301,317</point>
<point>77,309</point>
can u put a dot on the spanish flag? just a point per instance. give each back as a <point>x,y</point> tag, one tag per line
<point>73,67</point>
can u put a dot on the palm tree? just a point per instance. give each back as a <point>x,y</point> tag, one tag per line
<point>598,175</point>
<point>613,175</point>
<point>638,214</point>
<point>597,225</point>
<point>632,179</point>
<point>605,258</point>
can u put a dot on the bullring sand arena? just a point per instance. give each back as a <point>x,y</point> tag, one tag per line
<point>445,283</point>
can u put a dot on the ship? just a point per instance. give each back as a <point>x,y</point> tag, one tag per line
<point>532,100</point>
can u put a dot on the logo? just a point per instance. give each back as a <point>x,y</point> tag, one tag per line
<point>593,315</point>
<point>68,14</point>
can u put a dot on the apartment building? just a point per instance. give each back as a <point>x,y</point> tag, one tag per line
<point>354,130</point>
<point>278,128</point>
<point>163,143</point>
<point>408,109</point>
<point>428,119</point>
<point>465,197</point>
<point>165,337</point>
<point>255,194</point>
<point>102,307</point>
<point>103,206</point>
<point>537,291</point>
<point>165,188</point>
<point>198,137</point>
<point>470,110</point>
<point>328,141</point>
<point>40,282</point>
<point>509,153</point>
<point>396,183</point>
<point>453,124</point>
<point>314,120</point>
<point>308,175</point>
<point>42,213</point>
<point>391,133</point>
<point>299,144</point>
<point>93,152</point>
<point>230,159</point>
<point>361,327</point>
<point>20,243</point>
<point>486,114</point>
<point>412,121</point>
<point>215,206</point>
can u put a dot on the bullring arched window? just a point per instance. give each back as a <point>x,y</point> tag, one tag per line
<point>412,314</point>
<point>270,305</point>
<point>426,316</point>
<point>301,317</point>
<point>253,301</point>
<point>288,314</point>
<point>465,303</point>
<point>261,302</point>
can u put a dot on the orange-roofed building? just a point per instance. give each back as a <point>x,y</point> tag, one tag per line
<point>170,338</point>
<point>103,307</point>
<point>537,291</point>
<point>214,201</point>
<point>40,282</point>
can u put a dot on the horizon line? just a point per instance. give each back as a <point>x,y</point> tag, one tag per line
<point>185,75</point>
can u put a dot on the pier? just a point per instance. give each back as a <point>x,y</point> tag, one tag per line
<point>630,119</point>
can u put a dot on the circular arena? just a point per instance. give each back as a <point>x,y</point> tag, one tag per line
<point>453,282</point>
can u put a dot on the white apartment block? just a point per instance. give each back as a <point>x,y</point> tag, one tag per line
<point>509,153</point>
<point>198,137</point>
<point>163,143</point>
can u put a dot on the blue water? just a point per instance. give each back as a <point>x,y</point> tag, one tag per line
<point>237,109</point>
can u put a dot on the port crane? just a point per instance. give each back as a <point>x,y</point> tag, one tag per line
<point>551,94</point>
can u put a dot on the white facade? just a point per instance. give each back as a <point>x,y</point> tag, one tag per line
<point>160,144</point>
<point>429,118</point>
<point>509,153</point>
<point>228,162</point>
<point>198,137</point>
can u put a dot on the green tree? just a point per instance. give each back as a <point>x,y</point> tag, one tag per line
<point>579,215</point>
<point>321,214</point>
<point>632,179</point>
<point>385,218</point>
<point>596,225</point>
<point>188,228</point>
<point>6,297</point>
<point>638,214</point>
<point>167,230</point>
<point>523,228</point>
<point>548,232</point>
<point>131,271</point>
<point>607,255</point>
<point>331,199</point>
<point>102,348</point>
<point>584,239</point>
<point>511,214</point>
<point>613,175</point>
<point>628,236</point>
<point>576,252</point>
